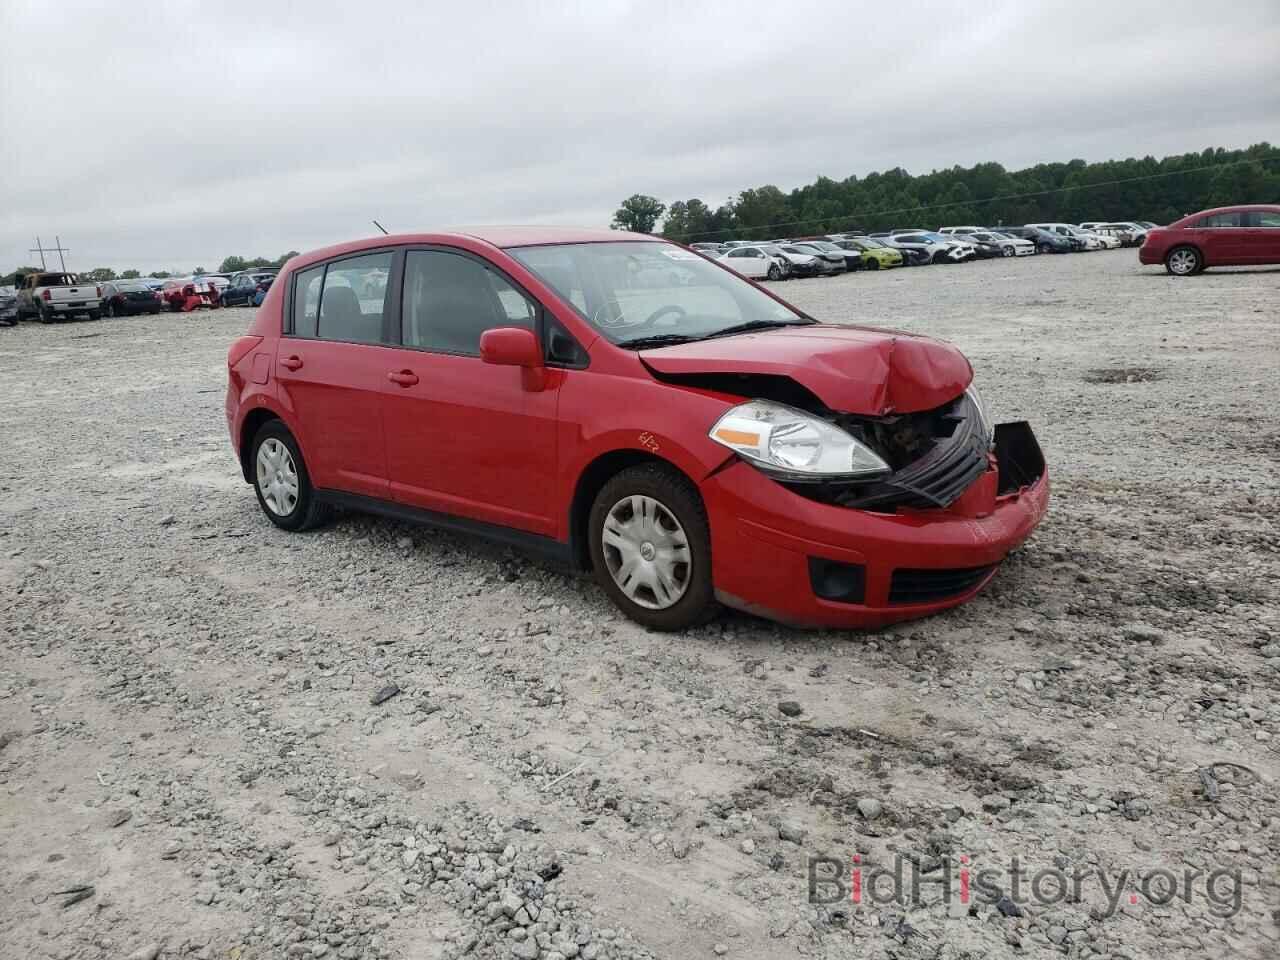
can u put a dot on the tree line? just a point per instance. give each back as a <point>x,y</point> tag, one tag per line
<point>232,264</point>
<point>1134,189</point>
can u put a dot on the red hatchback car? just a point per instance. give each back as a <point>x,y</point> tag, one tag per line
<point>1222,237</point>
<point>623,404</point>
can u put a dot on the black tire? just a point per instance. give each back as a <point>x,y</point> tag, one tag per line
<point>308,512</point>
<point>675,493</point>
<point>775,272</point>
<point>873,264</point>
<point>1044,248</point>
<point>111,311</point>
<point>95,314</point>
<point>1183,261</point>
<point>46,315</point>
<point>1006,251</point>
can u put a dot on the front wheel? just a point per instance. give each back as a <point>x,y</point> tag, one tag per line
<point>1006,251</point>
<point>281,481</point>
<point>1183,261</point>
<point>775,272</point>
<point>651,548</point>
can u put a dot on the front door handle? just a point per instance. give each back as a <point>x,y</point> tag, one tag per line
<point>406,378</point>
<point>291,363</point>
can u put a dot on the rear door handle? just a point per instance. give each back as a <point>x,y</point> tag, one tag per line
<point>406,378</point>
<point>291,363</point>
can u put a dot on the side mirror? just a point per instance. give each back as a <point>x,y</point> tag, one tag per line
<point>511,347</point>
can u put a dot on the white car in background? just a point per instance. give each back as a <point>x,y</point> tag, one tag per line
<point>1011,246</point>
<point>960,231</point>
<point>753,262</point>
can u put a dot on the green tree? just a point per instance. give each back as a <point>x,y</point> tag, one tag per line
<point>762,210</point>
<point>232,265</point>
<point>129,275</point>
<point>160,274</point>
<point>687,220</point>
<point>101,274</point>
<point>639,213</point>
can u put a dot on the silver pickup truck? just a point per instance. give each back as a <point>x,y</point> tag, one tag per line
<point>50,296</point>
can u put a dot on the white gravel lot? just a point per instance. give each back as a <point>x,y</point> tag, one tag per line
<point>186,724</point>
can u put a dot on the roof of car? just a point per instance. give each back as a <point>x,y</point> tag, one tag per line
<point>1234,208</point>
<point>503,237</point>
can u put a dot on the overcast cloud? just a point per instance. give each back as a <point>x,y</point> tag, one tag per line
<point>172,134</point>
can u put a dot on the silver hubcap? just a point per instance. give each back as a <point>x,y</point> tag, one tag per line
<point>1182,261</point>
<point>277,477</point>
<point>647,552</point>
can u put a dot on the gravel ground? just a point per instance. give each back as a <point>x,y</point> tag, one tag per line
<point>189,742</point>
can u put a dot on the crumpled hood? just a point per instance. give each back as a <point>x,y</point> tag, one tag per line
<point>860,370</point>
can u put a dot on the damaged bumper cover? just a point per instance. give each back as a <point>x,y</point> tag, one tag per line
<point>822,563</point>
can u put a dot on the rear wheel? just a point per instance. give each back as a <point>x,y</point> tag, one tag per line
<point>281,481</point>
<point>651,548</point>
<point>1183,261</point>
<point>46,315</point>
<point>111,311</point>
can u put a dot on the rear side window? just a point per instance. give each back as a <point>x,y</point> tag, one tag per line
<point>450,300</point>
<point>345,300</point>
<point>1262,218</point>
<point>1220,220</point>
<point>353,299</point>
<point>306,301</point>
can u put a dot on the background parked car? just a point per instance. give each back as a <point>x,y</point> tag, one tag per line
<point>1045,241</point>
<point>875,255</point>
<point>1078,238</point>
<point>245,286</point>
<point>834,258</point>
<point>124,298</point>
<point>1224,236</point>
<point>1009,246</point>
<point>852,258</point>
<point>188,293</point>
<point>8,306</point>
<point>941,249</point>
<point>751,262</point>
<point>808,263</point>
<point>52,296</point>
<point>1134,232</point>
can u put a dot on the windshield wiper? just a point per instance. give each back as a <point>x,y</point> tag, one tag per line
<point>760,325</point>
<point>658,340</point>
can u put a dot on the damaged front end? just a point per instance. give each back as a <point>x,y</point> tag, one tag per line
<point>935,456</point>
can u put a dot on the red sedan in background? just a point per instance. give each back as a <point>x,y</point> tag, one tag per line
<point>189,294</point>
<point>625,405</point>
<point>1223,237</point>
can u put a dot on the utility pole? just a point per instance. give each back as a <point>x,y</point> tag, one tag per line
<point>57,248</point>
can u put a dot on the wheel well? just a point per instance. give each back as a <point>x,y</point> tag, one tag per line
<point>597,473</point>
<point>1184,246</point>
<point>248,430</point>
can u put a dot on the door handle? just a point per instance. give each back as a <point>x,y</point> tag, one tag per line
<point>291,363</point>
<point>406,378</point>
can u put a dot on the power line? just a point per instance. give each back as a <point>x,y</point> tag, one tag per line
<point>964,203</point>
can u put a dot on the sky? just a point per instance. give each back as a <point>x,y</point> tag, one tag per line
<point>172,134</point>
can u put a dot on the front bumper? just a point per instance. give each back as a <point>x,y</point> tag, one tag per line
<point>766,539</point>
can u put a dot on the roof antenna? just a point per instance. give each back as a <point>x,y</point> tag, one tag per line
<point>381,227</point>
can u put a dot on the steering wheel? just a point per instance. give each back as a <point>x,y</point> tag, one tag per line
<point>678,310</point>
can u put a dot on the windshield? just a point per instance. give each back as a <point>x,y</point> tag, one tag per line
<point>639,291</point>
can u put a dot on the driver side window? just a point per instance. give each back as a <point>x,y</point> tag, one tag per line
<point>450,300</point>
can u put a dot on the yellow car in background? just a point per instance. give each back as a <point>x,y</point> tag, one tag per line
<point>874,253</point>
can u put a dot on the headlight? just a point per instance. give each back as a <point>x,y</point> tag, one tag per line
<point>794,445</point>
<point>983,418</point>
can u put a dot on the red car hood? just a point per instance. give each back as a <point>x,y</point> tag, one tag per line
<point>858,370</point>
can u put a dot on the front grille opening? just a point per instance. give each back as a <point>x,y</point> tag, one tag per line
<point>926,586</point>
<point>936,456</point>
<point>842,582</point>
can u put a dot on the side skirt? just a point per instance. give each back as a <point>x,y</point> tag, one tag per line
<point>547,548</point>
